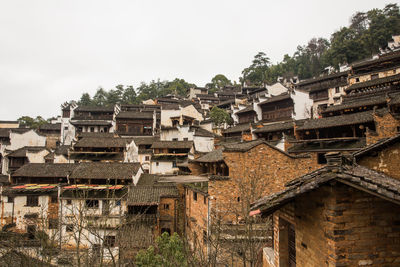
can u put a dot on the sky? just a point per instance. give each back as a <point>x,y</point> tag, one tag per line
<point>52,51</point>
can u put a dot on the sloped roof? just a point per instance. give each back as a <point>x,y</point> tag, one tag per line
<point>202,132</point>
<point>328,145</point>
<point>247,109</point>
<point>30,188</point>
<point>95,134</point>
<point>95,108</point>
<point>375,82</point>
<point>149,195</point>
<point>276,126</point>
<point>277,98</point>
<point>21,152</point>
<point>102,142</point>
<point>348,103</point>
<point>322,78</point>
<point>342,120</point>
<point>105,170</point>
<point>145,140</point>
<point>45,170</point>
<point>62,150</point>
<point>358,176</point>
<point>245,127</point>
<point>173,144</point>
<point>135,115</point>
<point>382,58</point>
<point>380,145</point>
<point>51,126</point>
<point>213,156</point>
<point>91,123</point>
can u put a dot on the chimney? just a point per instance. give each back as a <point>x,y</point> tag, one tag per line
<point>334,160</point>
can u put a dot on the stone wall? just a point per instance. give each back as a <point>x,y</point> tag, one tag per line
<point>386,126</point>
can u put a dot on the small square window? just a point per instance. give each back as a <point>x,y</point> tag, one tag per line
<point>69,228</point>
<point>54,199</point>
<point>32,201</point>
<point>10,199</point>
<point>337,90</point>
<point>53,223</point>
<point>157,163</point>
<point>109,241</point>
<point>174,164</point>
<point>174,139</point>
<point>118,203</point>
<point>185,139</point>
<point>147,158</point>
<point>93,203</point>
<point>69,202</point>
<point>166,206</point>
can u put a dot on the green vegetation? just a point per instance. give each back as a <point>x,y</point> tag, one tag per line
<point>219,116</point>
<point>169,252</point>
<point>34,123</point>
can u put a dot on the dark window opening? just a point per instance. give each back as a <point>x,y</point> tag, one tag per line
<point>69,201</point>
<point>109,241</point>
<point>321,158</point>
<point>10,199</point>
<point>185,139</point>
<point>174,139</point>
<point>69,228</point>
<point>357,80</point>
<point>32,201</point>
<point>374,76</point>
<point>147,158</point>
<point>94,204</point>
<point>142,209</point>
<point>205,200</point>
<point>163,230</point>
<point>53,223</point>
<point>195,196</point>
<point>337,90</point>
<point>166,206</point>
<point>31,231</point>
<point>54,199</point>
<point>204,236</point>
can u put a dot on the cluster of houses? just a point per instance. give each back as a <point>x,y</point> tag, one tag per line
<point>307,174</point>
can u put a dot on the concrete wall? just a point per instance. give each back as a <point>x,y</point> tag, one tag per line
<point>164,167</point>
<point>30,138</point>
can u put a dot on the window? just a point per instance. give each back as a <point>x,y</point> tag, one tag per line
<point>79,130</point>
<point>109,241</point>
<point>337,90</point>
<point>194,196</point>
<point>157,163</point>
<point>92,129</point>
<point>238,199</point>
<point>204,236</point>
<point>174,139</point>
<point>32,201</point>
<point>53,223</point>
<point>374,76</point>
<point>205,200</point>
<point>166,206</point>
<point>69,228</point>
<point>357,80</point>
<point>174,164</point>
<point>147,158</point>
<point>93,204</point>
<point>31,231</point>
<point>118,203</point>
<point>10,199</point>
<point>321,158</point>
<point>163,230</point>
<point>185,139</point>
<point>69,201</point>
<point>54,199</point>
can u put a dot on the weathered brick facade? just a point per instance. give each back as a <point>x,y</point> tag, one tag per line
<point>386,126</point>
<point>338,225</point>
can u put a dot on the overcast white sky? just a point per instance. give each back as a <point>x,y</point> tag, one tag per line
<point>52,51</point>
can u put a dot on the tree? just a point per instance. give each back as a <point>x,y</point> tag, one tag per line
<point>177,87</point>
<point>256,73</point>
<point>100,98</point>
<point>169,252</point>
<point>33,123</point>
<point>220,116</point>
<point>85,100</point>
<point>218,82</point>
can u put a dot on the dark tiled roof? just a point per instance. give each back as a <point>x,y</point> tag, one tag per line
<point>149,195</point>
<point>213,156</point>
<point>247,109</point>
<point>322,78</point>
<point>277,126</point>
<point>91,123</point>
<point>245,127</point>
<point>348,102</point>
<point>342,120</point>
<point>4,179</point>
<point>202,132</point>
<point>226,102</point>
<point>50,127</point>
<point>173,144</point>
<point>21,152</point>
<point>13,122</point>
<point>95,134</point>
<point>382,58</point>
<point>45,170</point>
<point>135,115</point>
<point>375,82</point>
<point>102,142</point>
<point>105,170</point>
<point>358,176</point>
<point>277,98</point>
<point>328,145</point>
<point>62,150</point>
<point>5,132</point>
<point>381,144</point>
<point>147,179</point>
<point>145,140</point>
<point>95,109</point>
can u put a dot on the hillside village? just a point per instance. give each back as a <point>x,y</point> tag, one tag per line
<point>305,175</point>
